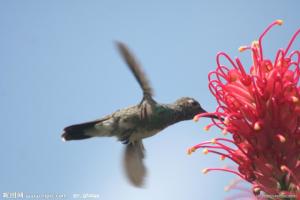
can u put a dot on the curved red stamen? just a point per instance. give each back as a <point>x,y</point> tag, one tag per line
<point>223,169</point>
<point>227,57</point>
<point>292,41</point>
<point>277,22</point>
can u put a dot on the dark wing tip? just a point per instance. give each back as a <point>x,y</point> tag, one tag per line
<point>121,46</point>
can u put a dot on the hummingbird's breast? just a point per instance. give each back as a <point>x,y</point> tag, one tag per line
<point>136,128</point>
<point>141,134</point>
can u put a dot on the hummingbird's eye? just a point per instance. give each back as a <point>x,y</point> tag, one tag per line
<point>193,102</point>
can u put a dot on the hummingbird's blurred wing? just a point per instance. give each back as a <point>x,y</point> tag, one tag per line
<point>135,68</point>
<point>147,104</point>
<point>133,163</point>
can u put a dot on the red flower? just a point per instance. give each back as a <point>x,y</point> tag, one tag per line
<point>261,110</point>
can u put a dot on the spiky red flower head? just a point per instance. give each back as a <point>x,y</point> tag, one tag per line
<point>261,109</point>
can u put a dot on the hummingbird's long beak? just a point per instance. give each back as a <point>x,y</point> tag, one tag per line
<point>208,115</point>
<point>212,116</point>
<point>215,117</point>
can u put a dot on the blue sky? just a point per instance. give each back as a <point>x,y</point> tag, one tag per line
<point>59,66</point>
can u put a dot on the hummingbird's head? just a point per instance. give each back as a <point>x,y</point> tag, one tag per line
<point>189,107</point>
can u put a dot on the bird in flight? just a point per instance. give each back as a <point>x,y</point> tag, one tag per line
<point>131,125</point>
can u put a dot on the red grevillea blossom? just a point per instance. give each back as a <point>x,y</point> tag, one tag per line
<point>261,110</point>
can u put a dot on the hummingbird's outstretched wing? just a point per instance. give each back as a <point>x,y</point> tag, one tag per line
<point>135,68</point>
<point>133,163</point>
<point>147,103</point>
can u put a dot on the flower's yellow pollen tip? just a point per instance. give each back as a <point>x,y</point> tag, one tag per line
<point>298,163</point>
<point>222,157</point>
<point>281,138</point>
<point>242,48</point>
<point>196,118</point>
<point>226,121</point>
<point>191,150</point>
<point>205,151</point>
<point>256,190</point>
<point>204,171</point>
<point>283,168</point>
<point>268,165</point>
<point>255,43</point>
<point>279,22</point>
<point>213,141</point>
<point>206,128</point>
<point>257,126</point>
<point>295,99</point>
<point>224,131</point>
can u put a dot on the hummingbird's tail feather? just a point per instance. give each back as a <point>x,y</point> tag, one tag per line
<point>133,163</point>
<point>78,131</point>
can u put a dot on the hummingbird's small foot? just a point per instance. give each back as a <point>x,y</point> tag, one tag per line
<point>125,139</point>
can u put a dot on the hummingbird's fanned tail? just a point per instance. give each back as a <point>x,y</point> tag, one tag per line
<point>133,163</point>
<point>79,131</point>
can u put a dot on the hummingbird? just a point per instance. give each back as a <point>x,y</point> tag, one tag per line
<point>133,124</point>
